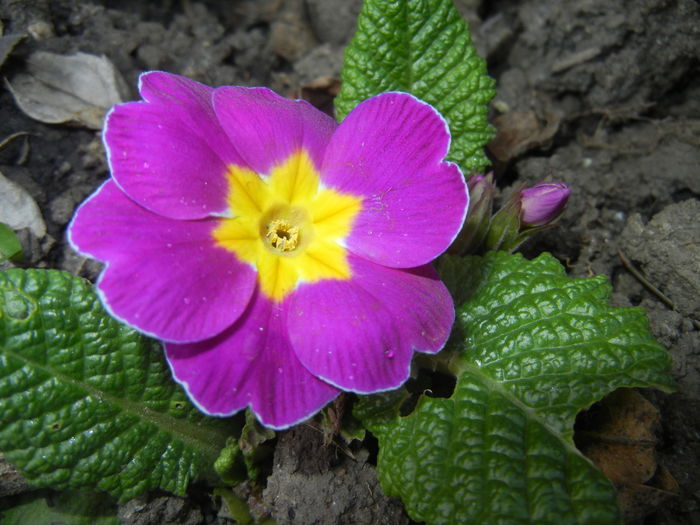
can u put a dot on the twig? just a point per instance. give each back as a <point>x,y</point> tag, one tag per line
<point>12,137</point>
<point>653,289</point>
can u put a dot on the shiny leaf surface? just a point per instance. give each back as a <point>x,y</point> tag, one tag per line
<point>87,402</point>
<point>531,348</point>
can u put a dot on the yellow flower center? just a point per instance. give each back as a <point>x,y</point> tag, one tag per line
<point>287,225</point>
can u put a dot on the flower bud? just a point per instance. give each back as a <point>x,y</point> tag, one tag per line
<point>481,192</point>
<point>542,203</point>
<point>525,213</point>
<point>480,185</point>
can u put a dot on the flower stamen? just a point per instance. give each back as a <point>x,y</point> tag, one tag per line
<point>282,236</point>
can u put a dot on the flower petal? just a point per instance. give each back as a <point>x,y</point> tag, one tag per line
<point>390,150</point>
<point>360,334</point>
<point>267,128</point>
<point>250,364</point>
<point>164,277</point>
<point>169,153</point>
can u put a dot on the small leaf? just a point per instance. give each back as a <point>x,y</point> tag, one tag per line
<point>18,209</point>
<point>67,88</point>
<point>74,508</point>
<point>86,402</point>
<point>233,507</point>
<point>10,247</point>
<point>532,348</point>
<point>422,47</point>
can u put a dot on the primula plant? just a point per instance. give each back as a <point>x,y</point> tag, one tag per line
<point>261,255</point>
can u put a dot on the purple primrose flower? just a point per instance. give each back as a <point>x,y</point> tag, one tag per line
<point>280,256</point>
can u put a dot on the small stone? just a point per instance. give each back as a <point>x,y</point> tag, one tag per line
<point>40,30</point>
<point>290,35</point>
<point>11,480</point>
<point>62,207</point>
<point>322,61</point>
<point>333,21</point>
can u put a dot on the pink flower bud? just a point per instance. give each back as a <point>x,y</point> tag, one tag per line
<point>542,203</point>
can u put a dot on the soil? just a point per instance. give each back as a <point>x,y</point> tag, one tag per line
<point>602,94</point>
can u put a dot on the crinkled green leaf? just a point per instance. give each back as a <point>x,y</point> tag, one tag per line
<point>87,402</point>
<point>71,508</point>
<point>531,348</point>
<point>422,47</point>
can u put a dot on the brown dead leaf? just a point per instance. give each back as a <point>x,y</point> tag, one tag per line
<point>620,438</point>
<point>637,501</point>
<point>521,131</point>
<point>77,88</point>
<point>19,210</point>
<point>624,444</point>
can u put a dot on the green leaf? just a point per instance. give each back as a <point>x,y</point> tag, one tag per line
<point>531,348</point>
<point>87,402</point>
<point>10,247</point>
<point>233,507</point>
<point>72,508</point>
<point>422,47</point>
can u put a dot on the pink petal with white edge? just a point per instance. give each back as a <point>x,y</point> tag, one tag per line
<point>390,150</point>
<point>250,364</point>
<point>360,334</point>
<point>164,277</point>
<point>267,128</point>
<point>169,153</point>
